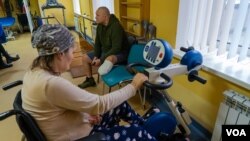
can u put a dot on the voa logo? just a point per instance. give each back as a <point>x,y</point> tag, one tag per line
<point>236,132</point>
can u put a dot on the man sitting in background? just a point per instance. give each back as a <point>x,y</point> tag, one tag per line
<point>111,46</point>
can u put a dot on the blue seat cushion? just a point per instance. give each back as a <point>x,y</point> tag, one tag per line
<point>119,73</point>
<point>7,21</point>
<point>116,75</point>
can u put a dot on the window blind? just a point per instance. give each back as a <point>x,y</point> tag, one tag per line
<point>220,30</point>
<point>218,26</point>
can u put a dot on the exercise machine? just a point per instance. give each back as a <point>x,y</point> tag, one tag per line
<point>159,54</point>
<point>53,4</point>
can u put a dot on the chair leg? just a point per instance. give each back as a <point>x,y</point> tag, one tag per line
<point>103,88</point>
<point>98,78</point>
<point>143,98</point>
<point>140,96</point>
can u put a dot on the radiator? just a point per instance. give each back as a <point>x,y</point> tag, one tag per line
<point>234,110</point>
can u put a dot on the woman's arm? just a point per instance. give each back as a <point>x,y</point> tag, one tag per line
<point>64,94</point>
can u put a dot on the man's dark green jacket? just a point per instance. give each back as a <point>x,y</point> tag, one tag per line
<point>110,39</point>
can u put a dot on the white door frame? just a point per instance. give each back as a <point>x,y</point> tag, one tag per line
<point>27,10</point>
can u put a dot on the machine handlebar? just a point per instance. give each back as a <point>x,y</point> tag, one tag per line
<point>161,86</point>
<point>133,71</point>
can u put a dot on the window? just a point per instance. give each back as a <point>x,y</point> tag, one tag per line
<point>108,3</point>
<point>76,6</point>
<point>220,30</point>
<point>77,10</point>
<point>84,22</point>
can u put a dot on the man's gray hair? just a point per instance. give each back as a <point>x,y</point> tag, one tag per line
<point>105,9</point>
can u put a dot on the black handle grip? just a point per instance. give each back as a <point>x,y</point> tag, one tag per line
<point>186,49</point>
<point>193,75</point>
<point>160,86</point>
<point>12,84</point>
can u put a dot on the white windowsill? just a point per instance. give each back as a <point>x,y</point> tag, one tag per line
<point>239,74</point>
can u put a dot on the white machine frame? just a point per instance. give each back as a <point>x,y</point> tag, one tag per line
<point>179,112</point>
<point>155,51</point>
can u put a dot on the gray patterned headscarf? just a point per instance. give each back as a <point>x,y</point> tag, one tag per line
<point>50,39</point>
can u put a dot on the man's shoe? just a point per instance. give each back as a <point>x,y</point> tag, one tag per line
<point>89,82</point>
<point>12,59</point>
<point>4,66</point>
